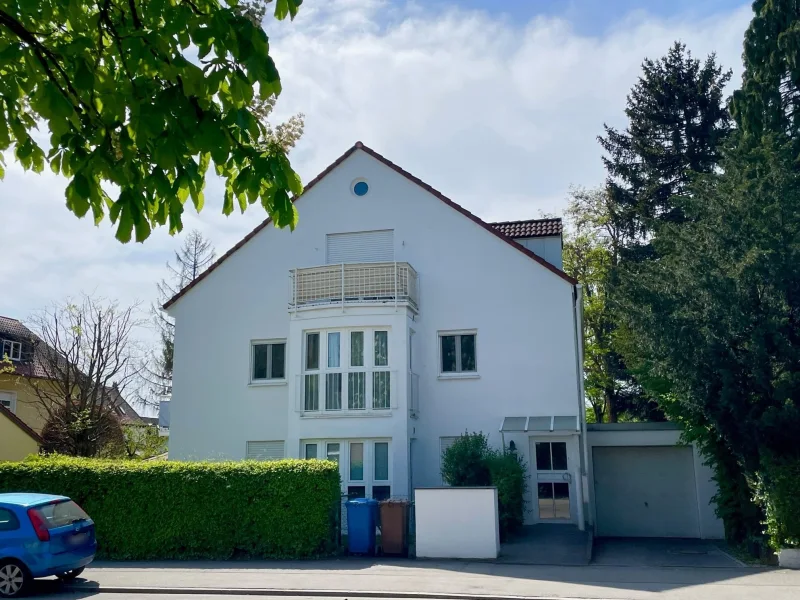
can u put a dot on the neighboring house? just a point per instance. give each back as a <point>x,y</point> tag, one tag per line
<point>22,406</point>
<point>391,321</point>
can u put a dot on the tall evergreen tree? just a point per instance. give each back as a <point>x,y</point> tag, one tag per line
<point>677,121</point>
<point>769,100</point>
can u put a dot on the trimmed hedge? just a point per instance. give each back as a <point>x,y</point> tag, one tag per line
<point>166,510</point>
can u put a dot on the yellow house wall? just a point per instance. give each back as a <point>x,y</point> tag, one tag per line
<point>29,408</point>
<point>15,444</point>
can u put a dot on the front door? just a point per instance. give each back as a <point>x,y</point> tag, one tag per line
<point>553,488</point>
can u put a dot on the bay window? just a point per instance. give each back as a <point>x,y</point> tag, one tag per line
<point>346,370</point>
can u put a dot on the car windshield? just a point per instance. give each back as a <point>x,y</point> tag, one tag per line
<point>61,513</point>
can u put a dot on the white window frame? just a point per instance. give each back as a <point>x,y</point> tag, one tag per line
<point>369,482</point>
<point>283,449</point>
<point>269,343</point>
<point>12,399</point>
<point>13,356</point>
<point>345,369</point>
<point>458,373</point>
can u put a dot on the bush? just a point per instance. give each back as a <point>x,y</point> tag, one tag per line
<point>470,461</point>
<point>164,510</point>
<point>779,493</point>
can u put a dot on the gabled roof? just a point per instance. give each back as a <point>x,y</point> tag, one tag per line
<point>529,229</point>
<point>21,424</point>
<point>407,175</point>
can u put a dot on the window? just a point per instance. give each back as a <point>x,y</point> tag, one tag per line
<point>381,461</point>
<point>356,461</point>
<point>346,370</point>
<point>458,352</point>
<point>311,387</point>
<point>12,350</point>
<point>268,361</point>
<point>360,188</point>
<point>311,451</point>
<point>9,400</point>
<point>333,452</point>
<point>8,520</point>
<point>61,513</point>
<point>272,450</point>
<point>551,456</point>
<point>360,247</point>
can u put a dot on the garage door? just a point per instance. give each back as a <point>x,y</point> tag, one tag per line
<point>645,491</point>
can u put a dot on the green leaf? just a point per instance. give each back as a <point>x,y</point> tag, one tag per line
<point>227,203</point>
<point>55,164</point>
<point>281,9</point>
<point>78,192</point>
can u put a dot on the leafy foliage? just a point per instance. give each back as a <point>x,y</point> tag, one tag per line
<point>591,255</point>
<point>677,123</point>
<point>470,461</point>
<point>140,442</point>
<point>717,315</point>
<point>769,100</point>
<point>130,109</point>
<point>779,489</point>
<point>147,510</point>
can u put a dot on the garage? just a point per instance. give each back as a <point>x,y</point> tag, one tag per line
<point>645,491</point>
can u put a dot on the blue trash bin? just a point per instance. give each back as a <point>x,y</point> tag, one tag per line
<point>361,525</point>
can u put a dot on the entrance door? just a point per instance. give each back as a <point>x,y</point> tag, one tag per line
<point>553,488</point>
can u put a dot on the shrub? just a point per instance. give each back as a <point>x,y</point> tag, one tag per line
<point>779,493</point>
<point>163,510</point>
<point>470,461</point>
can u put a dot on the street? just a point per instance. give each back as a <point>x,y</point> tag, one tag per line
<point>420,580</point>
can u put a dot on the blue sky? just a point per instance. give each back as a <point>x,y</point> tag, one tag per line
<point>587,16</point>
<point>496,103</point>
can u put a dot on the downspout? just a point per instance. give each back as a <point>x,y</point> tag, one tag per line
<point>578,322</point>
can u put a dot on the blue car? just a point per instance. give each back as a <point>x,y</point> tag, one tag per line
<point>42,535</point>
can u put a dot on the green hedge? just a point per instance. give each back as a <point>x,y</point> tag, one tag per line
<point>779,493</point>
<point>163,510</point>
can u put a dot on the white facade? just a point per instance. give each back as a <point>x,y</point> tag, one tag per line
<point>462,280</point>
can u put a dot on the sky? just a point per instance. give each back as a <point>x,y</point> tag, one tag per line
<point>497,104</point>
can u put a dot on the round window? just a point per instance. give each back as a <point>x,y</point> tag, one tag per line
<point>360,188</point>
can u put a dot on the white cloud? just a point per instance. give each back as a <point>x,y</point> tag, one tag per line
<point>500,116</point>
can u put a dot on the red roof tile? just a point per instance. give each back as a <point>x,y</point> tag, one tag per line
<point>529,229</point>
<point>404,173</point>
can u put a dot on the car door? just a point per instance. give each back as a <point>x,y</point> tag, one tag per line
<point>11,533</point>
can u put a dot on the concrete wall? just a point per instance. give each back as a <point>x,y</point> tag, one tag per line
<point>468,278</point>
<point>15,444</point>
<point>660,434</point>
<point>456,523</point>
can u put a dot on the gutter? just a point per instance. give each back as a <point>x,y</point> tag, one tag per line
<point>578,331</point>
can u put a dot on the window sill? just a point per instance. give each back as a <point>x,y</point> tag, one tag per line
<point>361,414</point>
<point>267,383</point>
<point>445,376</point>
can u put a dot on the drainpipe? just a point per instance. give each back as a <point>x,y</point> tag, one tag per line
<point>578,322</point>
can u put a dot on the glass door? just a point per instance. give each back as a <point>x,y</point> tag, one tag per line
<point>553,484</point>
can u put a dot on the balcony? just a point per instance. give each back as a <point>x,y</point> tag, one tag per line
<point>347,284</point>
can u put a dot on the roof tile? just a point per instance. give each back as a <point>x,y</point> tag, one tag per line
<point>530,228</point>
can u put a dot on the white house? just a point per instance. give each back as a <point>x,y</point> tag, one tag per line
<point>388,323</point>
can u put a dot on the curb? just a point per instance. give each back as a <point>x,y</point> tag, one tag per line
<point>281,592</point>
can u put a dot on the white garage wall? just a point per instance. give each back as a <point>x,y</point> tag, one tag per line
<point>658,434</point>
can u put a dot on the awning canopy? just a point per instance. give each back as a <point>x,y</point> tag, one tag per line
<point>540,424</point>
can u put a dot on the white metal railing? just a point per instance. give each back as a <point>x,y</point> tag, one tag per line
<point>371,391</point>
<point>413,395</point>
<point>354,284</point>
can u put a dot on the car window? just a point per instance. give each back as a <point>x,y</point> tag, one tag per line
<point>62,513</point>
<point>8,520</point>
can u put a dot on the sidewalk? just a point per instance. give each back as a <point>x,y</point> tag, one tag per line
<point>427,579</point>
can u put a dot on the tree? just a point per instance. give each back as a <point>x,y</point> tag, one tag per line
<point>86,358</point>
<point>717,317</point>
<point>677,121</point>
<point>131,110</point>
<point>591,251</point>
<point>195,256</point>
<point>141,442</point>
<point>769,100</point>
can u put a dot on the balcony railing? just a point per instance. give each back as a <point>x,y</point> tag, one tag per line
<point>363,283</point>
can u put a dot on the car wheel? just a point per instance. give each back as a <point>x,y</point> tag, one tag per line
<point>14,579</point>
<point>70,575</point>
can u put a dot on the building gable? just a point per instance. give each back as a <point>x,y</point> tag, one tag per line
<point>495,231</point>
